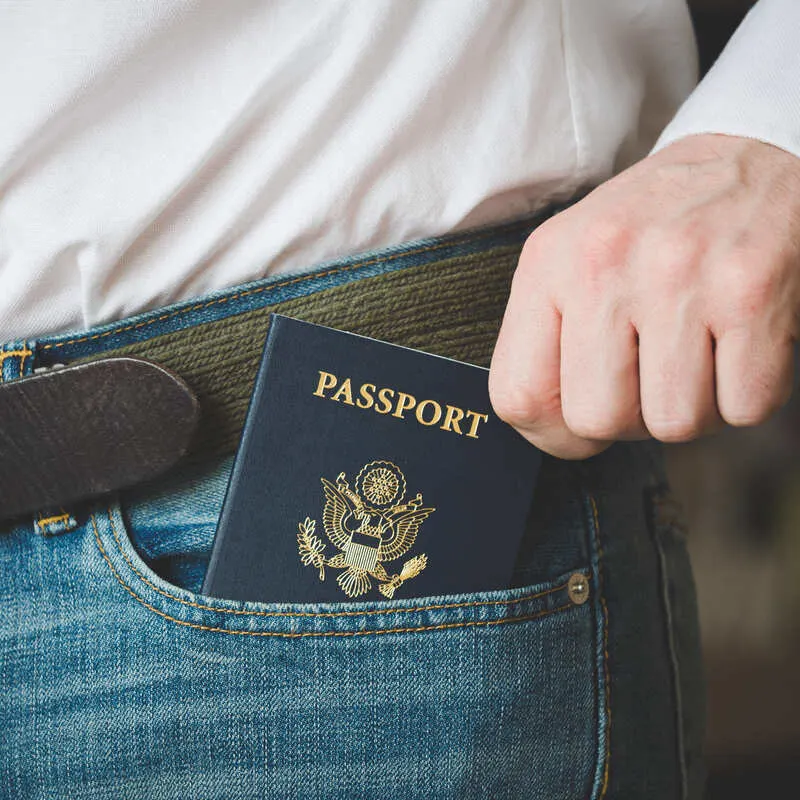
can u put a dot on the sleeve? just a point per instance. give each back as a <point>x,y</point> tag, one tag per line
<point>753,90</point>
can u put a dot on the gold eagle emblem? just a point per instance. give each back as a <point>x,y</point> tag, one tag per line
<point>369,524</point>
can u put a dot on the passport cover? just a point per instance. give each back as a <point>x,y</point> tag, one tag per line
<point>368,470</point>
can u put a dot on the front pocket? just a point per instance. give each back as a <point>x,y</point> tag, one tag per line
<point>499,694</point>
<point>489,695</point>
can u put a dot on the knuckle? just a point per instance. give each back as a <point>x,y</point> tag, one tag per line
<point>536,254</point>
<point>587,423</point>
<point>745,417</point>
<point>672,260</point>
<point>539,243</point>
<point>749,412</point>
<point>750,284</point>
<point>758,379</point>
<point>675,429</point>
<point>519,404</point>
<point>604,245</point>
<point>609,233</point>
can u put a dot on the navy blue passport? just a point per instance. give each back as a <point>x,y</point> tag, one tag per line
<point>369,471</point>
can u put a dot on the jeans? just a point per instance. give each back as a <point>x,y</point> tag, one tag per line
<point>119,679</point>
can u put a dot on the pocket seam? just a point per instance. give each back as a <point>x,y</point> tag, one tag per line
<point>303,634</point>
<point>602,776</point>
<point>666,518</point>
<point>300,614</point>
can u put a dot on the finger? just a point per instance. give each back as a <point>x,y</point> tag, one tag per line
<point>754,375</point>
<point>600,374</point>
<point>676,372</point>
<point>525,373</point>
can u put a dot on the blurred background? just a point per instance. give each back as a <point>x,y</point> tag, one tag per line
<point>741,494</point>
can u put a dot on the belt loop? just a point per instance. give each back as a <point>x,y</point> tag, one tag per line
<point>51,523</point>
<point>16,360</point>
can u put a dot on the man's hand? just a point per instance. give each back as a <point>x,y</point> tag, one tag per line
<point>663,304</point>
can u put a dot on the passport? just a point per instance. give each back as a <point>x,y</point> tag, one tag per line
<point>368,471</point>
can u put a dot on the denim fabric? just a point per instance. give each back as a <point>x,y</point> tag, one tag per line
<point>120,680</point>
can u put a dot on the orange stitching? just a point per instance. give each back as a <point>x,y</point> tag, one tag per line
<point>25,357</point>
<point>258,289</point>
<point>52,520</point>
<point>596,519</point>
<point>312,613</point>
<point>286,635</point>
<point>4,354</point>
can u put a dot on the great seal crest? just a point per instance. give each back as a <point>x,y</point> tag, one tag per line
<point>369,524</point>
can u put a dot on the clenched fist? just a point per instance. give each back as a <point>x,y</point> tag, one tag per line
<point>665,303</point>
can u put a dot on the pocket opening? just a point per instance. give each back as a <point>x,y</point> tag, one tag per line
<point>484,609</point>
<point>156,540</point>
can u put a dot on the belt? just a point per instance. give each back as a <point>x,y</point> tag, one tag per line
<point>445,296</point>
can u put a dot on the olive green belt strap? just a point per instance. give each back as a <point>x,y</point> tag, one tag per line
<point>452,307</point>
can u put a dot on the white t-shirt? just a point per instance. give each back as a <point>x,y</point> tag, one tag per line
<point>154,151</point>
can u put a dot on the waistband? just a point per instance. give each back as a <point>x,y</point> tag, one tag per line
<point>445,295</point>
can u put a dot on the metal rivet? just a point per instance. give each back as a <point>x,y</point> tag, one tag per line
<point>578,588</point>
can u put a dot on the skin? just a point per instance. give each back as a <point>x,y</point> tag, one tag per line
<point>665,303</point>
